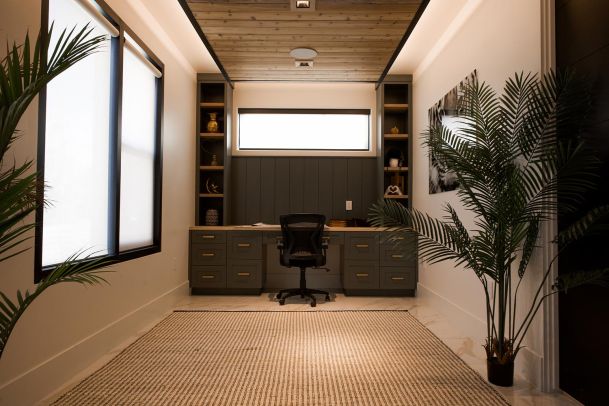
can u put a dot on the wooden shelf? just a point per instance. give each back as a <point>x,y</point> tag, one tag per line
<point>212,168</point>
<point>395,196</point>
<point>398,169</point>
<point>214,195</point>
<point>214,104</point>
<point>396,137</point>
<point>212,136</point>
<point>396,106</point>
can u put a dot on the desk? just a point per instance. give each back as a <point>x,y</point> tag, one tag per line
<point>245,260</point>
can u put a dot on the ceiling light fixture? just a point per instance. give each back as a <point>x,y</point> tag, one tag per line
<point>303,53</point>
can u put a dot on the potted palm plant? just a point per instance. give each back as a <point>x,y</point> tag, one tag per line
<point>23,74</point>
<point>512,155</point>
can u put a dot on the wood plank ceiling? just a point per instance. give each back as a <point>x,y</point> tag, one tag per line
<point>355,39</point>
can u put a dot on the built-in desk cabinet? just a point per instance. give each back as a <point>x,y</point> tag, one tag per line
<point>235,261</point>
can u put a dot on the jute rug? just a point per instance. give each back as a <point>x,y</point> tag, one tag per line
<point>286,358</point>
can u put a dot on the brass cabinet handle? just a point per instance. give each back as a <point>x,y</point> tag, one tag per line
<point>361,245</point>
<point>399,238</point>
<point>397,278</point>
<point>361,275</point>
<point>244,245</point>
<point>243,274</point>
<point>397,256</point>
<point>208,237</point>
<point>208,276</point>
<point>208,254</point>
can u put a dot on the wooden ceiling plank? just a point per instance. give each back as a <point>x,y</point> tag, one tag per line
<point>376,23</point>
<point>354,38</point>
<point>278,16</point>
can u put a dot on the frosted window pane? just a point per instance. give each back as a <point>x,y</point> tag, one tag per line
<point>137,154</point>
<point>76,147</point>
<point>304,131</point>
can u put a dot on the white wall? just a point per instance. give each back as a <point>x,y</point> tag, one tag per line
<point>70,326</point>
<point>499,38</point>
<point>305,95</point>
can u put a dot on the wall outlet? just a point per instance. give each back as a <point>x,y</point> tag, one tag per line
<point>348,205</point>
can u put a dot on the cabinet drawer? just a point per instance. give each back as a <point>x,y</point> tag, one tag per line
<point>335,237</point>
<point>202,236</point>
<point>244,274</point>
<point>208,277</point>
<point>397,256</point>
<point>208,254</point>
<point>397,278</point>
<point>364,246</point>
<point>245,245</point>
<point>361,275</point>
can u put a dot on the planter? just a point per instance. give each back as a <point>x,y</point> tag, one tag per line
<point>500,374</point>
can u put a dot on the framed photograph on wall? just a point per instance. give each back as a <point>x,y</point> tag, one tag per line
<point>446,112</point>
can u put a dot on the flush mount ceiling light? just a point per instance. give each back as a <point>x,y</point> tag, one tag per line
<point>302,5</point>
<point>303,53</point>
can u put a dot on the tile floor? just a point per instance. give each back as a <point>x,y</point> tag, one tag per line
<point>521,394</point>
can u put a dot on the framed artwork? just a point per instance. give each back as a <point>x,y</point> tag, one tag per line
<point>446,112</point>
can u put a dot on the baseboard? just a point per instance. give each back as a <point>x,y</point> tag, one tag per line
<point>528,363</point>
<point>59,371</point>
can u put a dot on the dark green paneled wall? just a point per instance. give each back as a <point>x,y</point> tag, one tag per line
<point>265,187</point>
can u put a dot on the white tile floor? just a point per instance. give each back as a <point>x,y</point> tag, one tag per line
<point>521,394</point>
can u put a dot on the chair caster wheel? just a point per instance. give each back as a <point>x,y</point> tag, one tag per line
<point>313,304</point>
<point>281,302</point>
<point>278,296</point>
<point>328,298</point>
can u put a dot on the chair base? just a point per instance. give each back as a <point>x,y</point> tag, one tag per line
<point>302,293</point>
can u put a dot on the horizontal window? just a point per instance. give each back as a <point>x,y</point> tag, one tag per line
<point>304,129</point>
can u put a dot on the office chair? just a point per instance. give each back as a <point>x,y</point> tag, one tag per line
<point>302,246</point>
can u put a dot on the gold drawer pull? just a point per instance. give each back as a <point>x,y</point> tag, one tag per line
<point>208,276</point>
<point>246,245</point>
<point>399,238</point>
<point>361,275</point>
<point>208,254</point>
<point>397,278</point>
<point>397,256</point>
<point>243,274</point>
<point>208,237</point>
<point>361,245</point>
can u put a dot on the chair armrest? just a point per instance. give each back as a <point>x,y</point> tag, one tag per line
<point>324,242</point>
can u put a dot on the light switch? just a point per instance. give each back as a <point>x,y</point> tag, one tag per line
<point>348,205</point>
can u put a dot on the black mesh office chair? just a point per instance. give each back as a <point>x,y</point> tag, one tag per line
<point>302,246</point>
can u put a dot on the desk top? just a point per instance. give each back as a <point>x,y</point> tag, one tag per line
<point>277,227</point>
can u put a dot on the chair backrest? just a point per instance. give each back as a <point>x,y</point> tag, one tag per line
<point>302,234</point>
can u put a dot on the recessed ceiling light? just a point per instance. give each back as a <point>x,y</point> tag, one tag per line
<point>303,53</point>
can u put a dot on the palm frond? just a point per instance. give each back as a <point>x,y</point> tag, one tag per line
<point>77,268</point>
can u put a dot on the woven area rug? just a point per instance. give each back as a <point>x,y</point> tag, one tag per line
<point>286,358</point>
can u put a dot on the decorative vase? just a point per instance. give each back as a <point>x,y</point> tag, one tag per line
<point>500,374</point>
<point>394,130</point>
<point>393,162</point>
<point>212,217</point>
<point>214,159</point>
<point>212,124</point>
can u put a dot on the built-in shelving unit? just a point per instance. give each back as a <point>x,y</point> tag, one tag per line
<point>214,97</point>
<point>394,101</point>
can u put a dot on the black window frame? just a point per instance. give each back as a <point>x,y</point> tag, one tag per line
<point>117,46</point>
<point>247,110</point>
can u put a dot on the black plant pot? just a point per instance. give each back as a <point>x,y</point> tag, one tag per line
<point>500,374</point>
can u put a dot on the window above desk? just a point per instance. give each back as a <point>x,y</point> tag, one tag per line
<point>317,132</point>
